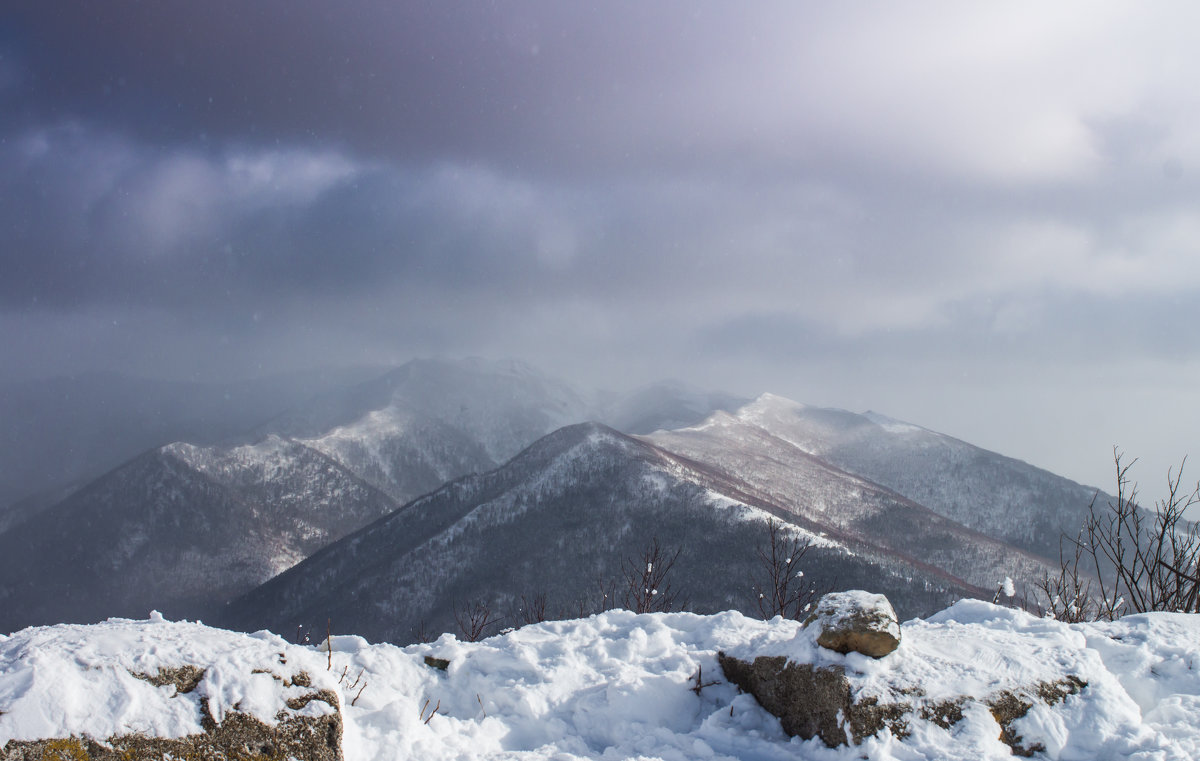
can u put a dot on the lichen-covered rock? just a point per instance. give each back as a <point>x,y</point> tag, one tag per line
<point>183,678</point>
<point>812,701</point>
<point>238,736</point>
<point>856,621</point>
<point>819,701</point>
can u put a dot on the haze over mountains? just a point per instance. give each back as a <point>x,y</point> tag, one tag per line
<point>526,492</point>
<point>62,432</point>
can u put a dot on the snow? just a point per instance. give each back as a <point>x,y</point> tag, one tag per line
<point>1007,587</point>
<point>619,685</point>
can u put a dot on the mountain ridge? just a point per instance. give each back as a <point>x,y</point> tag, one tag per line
<point>586,490</point>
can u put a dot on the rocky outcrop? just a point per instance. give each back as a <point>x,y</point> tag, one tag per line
<point>819,702</point>
<point>811,701</point>
<point>856,621</point>
<point>296,733</point>
<point>828,697</point>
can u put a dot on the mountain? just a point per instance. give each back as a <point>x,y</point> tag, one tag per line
<point>996,495</point>
<point>180,528</point>
<point>70,430</point>
<point>847,506</point>
<point>561,519</point>
<point>240,512</point>
<point>430,421</point>
<point>187,526</point>
<point>406,431</point>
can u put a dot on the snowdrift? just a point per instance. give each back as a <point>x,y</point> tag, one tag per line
<point>616,685</point>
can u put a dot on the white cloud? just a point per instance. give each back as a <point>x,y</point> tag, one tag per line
<point>1152,253</point>
<point>1006,93</point>
<point>293,177</point>
<point>156,200</point>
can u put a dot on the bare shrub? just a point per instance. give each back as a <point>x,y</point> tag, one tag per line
<point>782,590</point>
<point>1129,560</point>
<point>647,580</point>
<point>475,619</point>
<point>1067,596</point>
<point>530,610</point>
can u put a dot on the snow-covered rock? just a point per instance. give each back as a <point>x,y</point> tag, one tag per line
<point>856,621</point>
<point>156,689</point>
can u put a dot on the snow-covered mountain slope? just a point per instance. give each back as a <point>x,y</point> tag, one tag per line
<point>431,421</point>
<point>618,685</point>
<point>307,478</point>
<point>846,506</point>
<point>180,528</point>
<point>561,519</point>
<point>996,495</point>
<point>403,452</point>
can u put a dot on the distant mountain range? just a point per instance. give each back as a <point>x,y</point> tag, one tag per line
<point>522,497</point>
<point>179,529</point>
<point>998,496</point>
<point>60,433</point>
<point>561,519</point>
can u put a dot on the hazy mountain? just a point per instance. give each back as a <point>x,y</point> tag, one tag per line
<point>997,495</point>
<point>69,430</point>
<point>561,518</point>
<point>295,483</point>
<point>179,529</point>
<point>406,431</point>
<point>892,506</point>
<point>430,421</point>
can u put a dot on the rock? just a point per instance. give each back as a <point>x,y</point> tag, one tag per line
<point>810,701</point>
<point>293,735</point>
<point>856,621</point>
<point>821,702</point>
<point>183,678</point>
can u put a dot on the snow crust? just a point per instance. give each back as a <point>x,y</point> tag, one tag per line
<point>619,685</point>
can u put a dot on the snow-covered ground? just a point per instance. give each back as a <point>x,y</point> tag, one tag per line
<point>618,685</point>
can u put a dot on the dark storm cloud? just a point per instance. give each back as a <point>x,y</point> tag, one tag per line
<point>395,79</point>
<point>96,218</point>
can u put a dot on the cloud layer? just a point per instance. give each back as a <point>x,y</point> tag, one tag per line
<point>846,204</point>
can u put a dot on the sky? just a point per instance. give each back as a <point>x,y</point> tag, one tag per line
<point>978,217</point>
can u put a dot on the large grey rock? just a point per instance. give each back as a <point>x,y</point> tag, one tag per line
<point>811,701</point>
<point>820,701</point>
<point>856,621</point>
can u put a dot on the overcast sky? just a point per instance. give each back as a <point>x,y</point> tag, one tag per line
<point>979,217</point>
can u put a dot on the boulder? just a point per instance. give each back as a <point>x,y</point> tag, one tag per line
<point>296,733</point>
<point>819,686</point>
<point>821,701</point>
<point>855,621</point>
<point>811,701</point>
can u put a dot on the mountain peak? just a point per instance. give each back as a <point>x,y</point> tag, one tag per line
<point>769,407</point>
<point>769,399</point>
